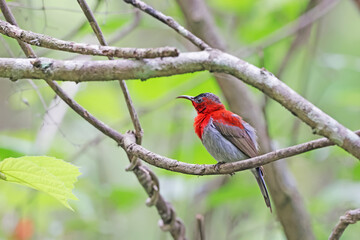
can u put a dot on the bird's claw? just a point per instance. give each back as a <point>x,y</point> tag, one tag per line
<point>217,166</point>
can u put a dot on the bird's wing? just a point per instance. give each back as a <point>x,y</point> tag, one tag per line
<point>238,136</point>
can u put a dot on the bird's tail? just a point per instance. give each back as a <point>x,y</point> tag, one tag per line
<point>261,182</point>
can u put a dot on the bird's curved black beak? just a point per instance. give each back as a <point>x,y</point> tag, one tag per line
<point>186,97</point>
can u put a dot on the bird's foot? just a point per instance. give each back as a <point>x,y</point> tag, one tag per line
<point>217,166</point>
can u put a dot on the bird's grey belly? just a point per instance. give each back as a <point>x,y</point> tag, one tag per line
<point>219,147</point>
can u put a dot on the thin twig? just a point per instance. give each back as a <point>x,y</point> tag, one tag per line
<point>128,28</point>
<point>133,114</point>
<point>67,10</point>
<point>41,40</point>
<point>74,31</point>
<point>82,24</point>
<point>96,28</point>
<point>91,19</point>
<point>170,22</point>
<point>350,217</point>
<point>29,52</point>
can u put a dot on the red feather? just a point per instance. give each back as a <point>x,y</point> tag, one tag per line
<point>200,122</point>
<point>228,118</point>
<point>223,116</point>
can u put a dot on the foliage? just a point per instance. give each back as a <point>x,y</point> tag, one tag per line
<point>47,174</point>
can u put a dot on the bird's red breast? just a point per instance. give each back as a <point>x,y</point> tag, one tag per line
<point>200,122</point>
<point>222,116</point>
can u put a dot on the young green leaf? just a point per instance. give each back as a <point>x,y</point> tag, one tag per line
<point>48,174</point>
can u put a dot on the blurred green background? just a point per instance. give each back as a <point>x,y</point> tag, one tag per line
<point>325,69</point>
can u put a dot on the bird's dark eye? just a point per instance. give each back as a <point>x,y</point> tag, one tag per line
<point>198,100</point>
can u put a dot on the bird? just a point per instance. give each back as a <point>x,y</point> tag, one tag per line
<point>225,135</point>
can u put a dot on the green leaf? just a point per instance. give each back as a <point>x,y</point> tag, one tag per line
<point>47,174</point>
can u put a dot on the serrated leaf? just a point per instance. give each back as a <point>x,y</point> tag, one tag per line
<point>47,174</point>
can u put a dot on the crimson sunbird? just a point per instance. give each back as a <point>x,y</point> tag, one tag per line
<point>225,135</point>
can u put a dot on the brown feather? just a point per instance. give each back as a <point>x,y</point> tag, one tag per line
<point>239,137</point>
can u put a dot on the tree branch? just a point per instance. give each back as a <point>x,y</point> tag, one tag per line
<point>350,217</point>
<point>42,40</point>
<point>226,168</point>
<point>146,177</point>
<point>170,164</point>
<point>73,32</point>
<point>212,60</point>
<point>154,159</point>
<point>96,28</point>
<point>170,22</point>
